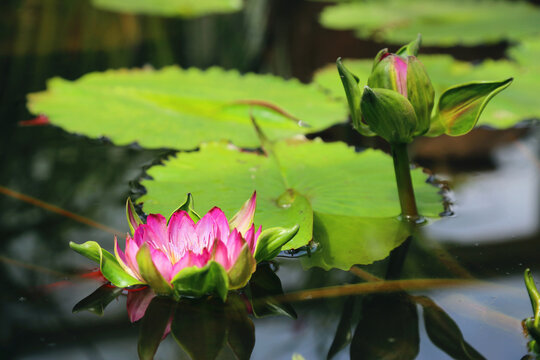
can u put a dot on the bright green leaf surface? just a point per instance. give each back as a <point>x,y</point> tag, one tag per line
<point>333,180</point>
<point>441,22</point>
<point>183,8</point>
<point>179,109</point>
<point>516,103</point>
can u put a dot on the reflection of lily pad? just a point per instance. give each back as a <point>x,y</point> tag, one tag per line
<point>179,109</point>
<point>518,102</point>
<point>184,8</point>
<point>330,180</point>
<point>441,22</point>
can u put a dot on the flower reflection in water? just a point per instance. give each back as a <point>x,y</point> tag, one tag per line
<point>203,327</point>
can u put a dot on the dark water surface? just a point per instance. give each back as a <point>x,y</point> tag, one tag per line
<point>492,237</point>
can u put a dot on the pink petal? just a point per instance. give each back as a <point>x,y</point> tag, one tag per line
<point>120,256</point>
<point>181,233</point>
<point>140,232</point>
<point>200,260</point>
<point>156,231</point>
<point>400,67</point>
<point>184,262</point>
<point>162,263</point>
<point>207,231</point>
<point>223,228</point>
<point>234,246</point>
<point>255,239</point>
<point>137,303</point>
<point>244,218</point>
<point>122,260</point>
<point>131,255</point>
<point>250,238</point>
<point>221,255</point>
<point>191,259</point>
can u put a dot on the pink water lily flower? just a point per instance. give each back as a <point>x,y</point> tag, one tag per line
<point>188,255</point>
<point>181,243</point>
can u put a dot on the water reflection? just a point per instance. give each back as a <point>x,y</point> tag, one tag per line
<point>202,327</point>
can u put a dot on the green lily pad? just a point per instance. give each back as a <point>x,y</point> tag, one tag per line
<point>441,22</point>
<point>526,53</point>
<point>178,109</point>
<point>517,103</point>
<point>182,8</point>
<point>333,189</point>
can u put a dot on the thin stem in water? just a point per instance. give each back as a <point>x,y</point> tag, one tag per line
<point>404,183</point>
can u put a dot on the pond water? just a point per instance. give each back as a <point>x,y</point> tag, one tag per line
<point>484,247</point>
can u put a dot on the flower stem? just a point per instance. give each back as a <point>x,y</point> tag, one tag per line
<point>402,169</point>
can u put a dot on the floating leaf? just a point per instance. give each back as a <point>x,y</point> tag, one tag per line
<point>373,239</point>
<point>517,103</point>
<point>178,109</point>
<point>443,23</point>
<point>526,53</point>
<point>328,185</point>
<point>183,8</point>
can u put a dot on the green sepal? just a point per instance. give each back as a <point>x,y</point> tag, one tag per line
<point>411,48</point>
<point>271,240</point>
<point>460,106</point>
<point>420,94</point>
<point>354,94</point>
<point>187,206</point>
<point>109,266</point>
<point>378,58</point>
<point>389,114</point>
<point>241,271</point>
<point>97,301</point>
<point>195,281</point>
<point>132,217</point>
<point>150,273</point>
<point>534,296</point>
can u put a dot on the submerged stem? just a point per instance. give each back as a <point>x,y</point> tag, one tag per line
<point>404,183</point>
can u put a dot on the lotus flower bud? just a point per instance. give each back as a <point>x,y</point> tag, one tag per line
<point>388,114</point>
<point>405,74</point>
